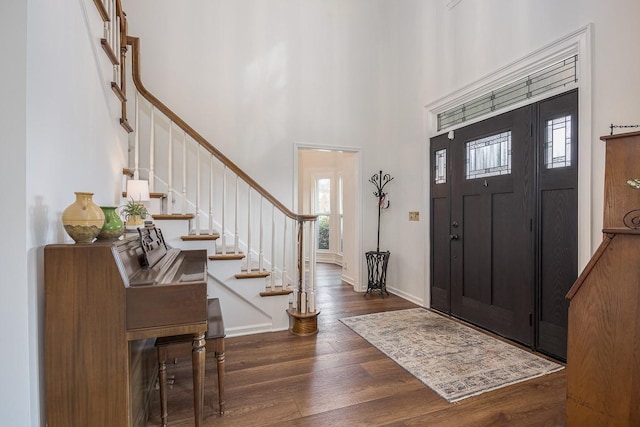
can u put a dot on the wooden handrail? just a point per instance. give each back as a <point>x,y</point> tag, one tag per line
<point>134,42</point>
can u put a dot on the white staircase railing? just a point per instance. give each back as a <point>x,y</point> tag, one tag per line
<point>198,179</point>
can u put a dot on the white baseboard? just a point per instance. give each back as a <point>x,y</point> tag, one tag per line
<point>251,330</point>
<point>408,297</point>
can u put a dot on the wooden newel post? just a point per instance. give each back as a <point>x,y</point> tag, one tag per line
<point>303,316</point>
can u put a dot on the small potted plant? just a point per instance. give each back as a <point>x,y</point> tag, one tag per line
<point>133,213</point>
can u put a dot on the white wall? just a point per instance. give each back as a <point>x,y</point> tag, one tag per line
<point>255,77</point>
<point>15,390</point>
<point>481,37</point>
<point>63,135</point>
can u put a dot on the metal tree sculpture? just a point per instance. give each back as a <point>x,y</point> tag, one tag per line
<point>380,181</point>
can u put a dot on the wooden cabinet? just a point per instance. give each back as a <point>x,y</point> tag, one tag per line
<point>603,358</point>
<point>603,346</point>
<point>86,352</point>
<point>622,163</point>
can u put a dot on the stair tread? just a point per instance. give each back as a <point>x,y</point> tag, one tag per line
<point>252,274</point>
<point>227,256</point>
<point>214,236</point>
<point>151,195</point>
<point>172,216</point>
<point>277,291</point>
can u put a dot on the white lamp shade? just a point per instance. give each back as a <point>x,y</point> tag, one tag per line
<point>138,190</point>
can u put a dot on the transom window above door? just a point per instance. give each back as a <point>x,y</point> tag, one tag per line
<point>488,156</point>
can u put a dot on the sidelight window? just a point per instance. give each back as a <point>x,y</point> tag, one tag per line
<point>441,166</point>
<point>557,150</point>
<point>489,156</point>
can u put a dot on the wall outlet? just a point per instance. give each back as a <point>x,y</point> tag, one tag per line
<point>414,216</point>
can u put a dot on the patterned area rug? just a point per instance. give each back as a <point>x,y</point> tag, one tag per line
<point>452,359</point>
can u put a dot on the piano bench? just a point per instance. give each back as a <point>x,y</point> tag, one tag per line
<point>173,347</point>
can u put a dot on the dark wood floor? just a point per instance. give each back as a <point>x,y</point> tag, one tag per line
<point>336,378</point>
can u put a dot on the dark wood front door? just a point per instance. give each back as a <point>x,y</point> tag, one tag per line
<point>491,235</point>
<point>503,229</point>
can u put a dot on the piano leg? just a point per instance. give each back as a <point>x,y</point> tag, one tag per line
<point>197,363</point>
<point>219,352</point>
<point>162,379</point>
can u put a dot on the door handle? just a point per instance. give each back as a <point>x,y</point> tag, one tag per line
<point>453,236</point>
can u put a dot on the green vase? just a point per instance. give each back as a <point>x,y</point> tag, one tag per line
<point>113,226</point>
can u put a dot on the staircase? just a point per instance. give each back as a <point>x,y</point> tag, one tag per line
<point>261,254</point>
<point>250,306</point>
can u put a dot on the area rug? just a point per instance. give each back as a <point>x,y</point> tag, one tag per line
<point>454,360</point>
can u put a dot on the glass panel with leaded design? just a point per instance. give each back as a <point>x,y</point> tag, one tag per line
<point>557,150</point>
<point>488,156</point>
<point>441,166</point>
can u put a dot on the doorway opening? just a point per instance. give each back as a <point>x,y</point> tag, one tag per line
<point>327,185</point>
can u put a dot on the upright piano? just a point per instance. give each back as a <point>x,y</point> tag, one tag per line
<point>105,303</point>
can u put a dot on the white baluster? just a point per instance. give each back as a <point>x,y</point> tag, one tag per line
<point>106,30</point>
<point>118,39</point>
<point>272,281</point>
<point>114,42</point>
<point>184,174</point>
<point>107,24</point>
<point>248,257</point>
<point>117,50</point>
<point>152,149</point>
<point>110,14</point>
<point>303,302</point>
<point>222,218</point>
<point>312,266</point>
<point>211,158</point>
<point>170,171</point>
<point>261,250</point>
<point>311,307</point>
<point>283,273</point>
<point>236,235</point>
<point>198,189</point>
<point>114,27</point>
<point>302,258</point>
<point>136,138</point>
